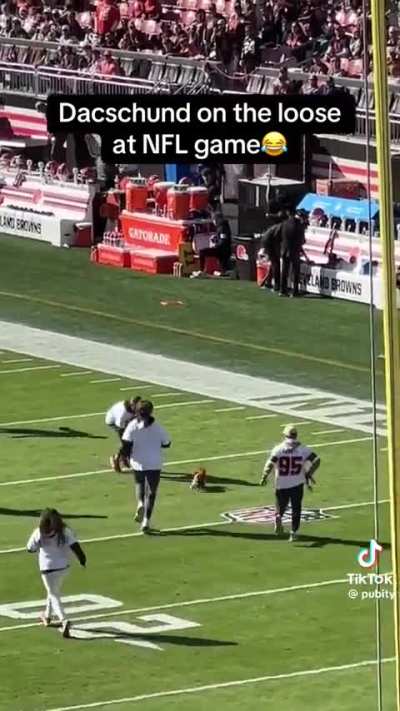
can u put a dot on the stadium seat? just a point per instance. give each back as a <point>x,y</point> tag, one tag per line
<point>255,84</point>
<point>156,71</point>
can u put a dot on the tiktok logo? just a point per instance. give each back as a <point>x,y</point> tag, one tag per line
<point>368,557</point>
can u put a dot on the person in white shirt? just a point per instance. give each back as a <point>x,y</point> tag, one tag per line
<point>53,540</point>
<point>143,442</point>
<point>294,465</point>
<point>117,418</point>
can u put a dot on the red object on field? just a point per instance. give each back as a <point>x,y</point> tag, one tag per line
<point>137,193</point>
<point>178,202</point>
<point>198,198</point>
<point>152,261</point>
<point>94,255</point>
<point>211,265</point>
<point>263,269</point>
<point>113,256</point>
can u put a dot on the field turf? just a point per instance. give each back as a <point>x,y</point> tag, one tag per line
<point>271,622</point>
<point>313,342</point>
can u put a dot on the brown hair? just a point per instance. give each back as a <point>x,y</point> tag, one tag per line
<point>51,524</point>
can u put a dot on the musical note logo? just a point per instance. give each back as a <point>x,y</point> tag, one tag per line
<point>368,557</point>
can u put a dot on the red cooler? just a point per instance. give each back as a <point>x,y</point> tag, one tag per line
<point>137,194</point>
<point>178,202</point>
<point>160,194</point>
<point>198,198</point>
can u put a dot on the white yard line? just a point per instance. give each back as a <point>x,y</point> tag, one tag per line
<point>139,386</point>
<point>225,685</point>
<point>230,409</point>
<point>104,380</point>
<point>74,374</point>
<point>239,389</point>
<point>120,536</point>
<point>18,360</point>
<point>94,414</point>
<point>25,370</point>
<point>323,432</point>
<point>172,394</point>
<point>260,417</point>
<point>190,603</point>
<point>236,455</point>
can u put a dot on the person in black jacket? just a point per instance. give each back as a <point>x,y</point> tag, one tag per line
<point>293,239</point>
<point>271,247</point>
<point>222,248</point>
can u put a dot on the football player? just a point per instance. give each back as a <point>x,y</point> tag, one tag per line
<point>294,465</point>
<point>118,417</point>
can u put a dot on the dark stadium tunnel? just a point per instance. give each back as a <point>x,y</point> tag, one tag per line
<point>35,513</point>
<point>25,432</point>
<point>186,478</point>
<point>181,640</point>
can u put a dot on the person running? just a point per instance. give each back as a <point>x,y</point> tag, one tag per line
<point>294,466</point>
<point>117,418</point>
<point>53,540</point>
<point>143,442</point>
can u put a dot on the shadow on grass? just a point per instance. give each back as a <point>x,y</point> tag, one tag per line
<point>25,432</point>
<point>313,541</point>
<point>181,640</point>
<point>186,478</point>
<point>36,513</point>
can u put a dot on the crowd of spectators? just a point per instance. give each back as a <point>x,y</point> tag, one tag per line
<point>326,37</point>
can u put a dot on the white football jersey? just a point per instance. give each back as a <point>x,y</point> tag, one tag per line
<point>118,415</point>
<point>147,445</point>
<point>288,460</point>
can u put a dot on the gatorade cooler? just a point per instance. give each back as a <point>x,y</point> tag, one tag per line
<point>136,195</point>
<point>178,202</point>
<point>263,269</point>
<point>198,198</point>
<point>160,194</point>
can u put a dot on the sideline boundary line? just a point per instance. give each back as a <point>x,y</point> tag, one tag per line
<point>189,603</point>
<point>225,685</point>
<point>183,332</point>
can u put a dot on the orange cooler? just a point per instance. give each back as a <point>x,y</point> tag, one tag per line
<point>137,194</point>
<point>198,198</point>
<point>160,194</point>
<point>178,202</point>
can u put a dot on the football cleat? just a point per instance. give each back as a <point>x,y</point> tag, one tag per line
<point>46,621</point>
<point>145,526</point>
<point>65,629</point>
<point>293,537</point>
<point>139,513</point>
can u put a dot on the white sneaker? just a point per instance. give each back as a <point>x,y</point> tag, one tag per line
<point>65,628</point>
<point>139,513</point>
<point>145,525</point>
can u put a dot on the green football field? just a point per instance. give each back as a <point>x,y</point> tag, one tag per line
<point>204,612</point>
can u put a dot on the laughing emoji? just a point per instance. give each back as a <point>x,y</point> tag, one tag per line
<point>274,144</point>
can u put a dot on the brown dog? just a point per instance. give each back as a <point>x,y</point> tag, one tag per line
<point>199,479</point>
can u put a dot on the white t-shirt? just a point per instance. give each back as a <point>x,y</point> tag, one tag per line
<point>289,459</point>
<point>51,555</point>
<point>147,449</point>
<point>118,415</point>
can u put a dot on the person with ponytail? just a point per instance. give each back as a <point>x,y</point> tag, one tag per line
<point>53,540</point>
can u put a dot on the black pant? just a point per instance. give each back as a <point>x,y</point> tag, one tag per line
<point>290,262</point>
<point>274,272</point>
<point>147,483</point>
<point>222,254</point>
<point>294,496</point>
